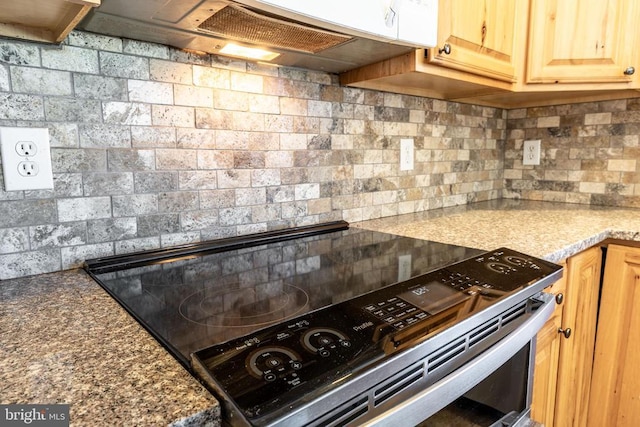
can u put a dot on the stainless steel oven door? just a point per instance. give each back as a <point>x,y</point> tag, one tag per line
<point>515,351</point>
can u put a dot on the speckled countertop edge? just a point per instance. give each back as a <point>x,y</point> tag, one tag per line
<point>63,339</point>
<point>553,231</point>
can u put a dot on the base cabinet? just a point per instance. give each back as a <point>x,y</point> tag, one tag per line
<point>564,349</point>
<point>576,352</point>
<point>615,396</point>
<point>545,378</point>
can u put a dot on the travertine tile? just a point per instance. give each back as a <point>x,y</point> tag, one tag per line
<point>235,216</point>
<point>216,199</point>
<point>243,82</point>
<point>152,50</point>
<point>145,136</point>
<point>21,107</point>
<point>150,92</point>
<point>127,66</point>
<point>170,240</point>
<point>134,205</point>
<point>174,159</point>
<point>71,58</point>
<point>83,209</point>
<point>30,263</point>
<point>14,240</point>
<point>197,180</point>
<point>95,41</point>
<point>21,213</point>
<point>210,159</point>
<point>71,110</point>
<point>100,87</point>
<point>177,201</point>
<point>156,224</point>
<point>4,78</point>
<point>211,77</point>
<point>99,184</point>
<point>110,229</point>
<point>17,53</point>
<point>136,245</point>
<point>41,81</point>
<point>127,113</point>
<point>171,72</point>
<point>122,159</point>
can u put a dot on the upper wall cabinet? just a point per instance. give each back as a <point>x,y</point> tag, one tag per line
<point>480,36</point>
<point>42,20</point>
<point>583,41</point>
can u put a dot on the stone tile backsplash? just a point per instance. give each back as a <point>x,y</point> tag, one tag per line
<point>590,153</point>
<point>155,147</point>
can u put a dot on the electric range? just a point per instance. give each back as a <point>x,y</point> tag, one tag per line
<point>275,322</point>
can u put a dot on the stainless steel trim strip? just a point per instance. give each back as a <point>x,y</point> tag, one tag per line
<point>426,403</point>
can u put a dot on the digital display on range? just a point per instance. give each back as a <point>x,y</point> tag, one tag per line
<point>433,297</point>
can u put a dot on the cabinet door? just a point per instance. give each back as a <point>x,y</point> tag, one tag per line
<point>545,377</point>
<point>582,41</point>
<point>616,371</point>
<point>481,36</point>
<point>576,352</point>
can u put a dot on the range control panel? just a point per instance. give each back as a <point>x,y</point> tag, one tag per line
<point>302,355</point>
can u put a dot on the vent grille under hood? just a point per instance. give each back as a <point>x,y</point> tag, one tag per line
<point>240,24</point>
<point>300,40</point>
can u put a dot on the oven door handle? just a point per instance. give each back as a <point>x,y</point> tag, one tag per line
<point>431,400</point>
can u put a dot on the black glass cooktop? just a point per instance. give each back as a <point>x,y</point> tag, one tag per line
<point>193,297</point>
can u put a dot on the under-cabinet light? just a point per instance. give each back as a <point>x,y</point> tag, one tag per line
<point>248,52</point>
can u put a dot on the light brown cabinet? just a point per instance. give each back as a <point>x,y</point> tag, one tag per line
<point>576,352</point>
<point>545,377</point>
<point>42,20</point>
<point>519,53</point>
<point>480,36</point>
<point>562,384</point>
<point>615,398</point>
<point>580,41</point>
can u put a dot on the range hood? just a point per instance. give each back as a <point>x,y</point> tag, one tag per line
<point>328,35</point>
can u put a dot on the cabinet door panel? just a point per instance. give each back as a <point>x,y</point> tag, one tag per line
<point>581,41</point>
<point>576,352</point>
<point>616,370</point>
<point>482,36</point>
<point>545,376</point>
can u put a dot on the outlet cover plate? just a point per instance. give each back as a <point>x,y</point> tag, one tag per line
<point>531,152</point>
<point>406,154</point>
<point>37,158</point>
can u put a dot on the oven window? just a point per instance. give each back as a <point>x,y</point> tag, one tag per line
<point>502,393</point>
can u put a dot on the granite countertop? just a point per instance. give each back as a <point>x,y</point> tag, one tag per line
<point>553,231</point>
<point>63,339</point>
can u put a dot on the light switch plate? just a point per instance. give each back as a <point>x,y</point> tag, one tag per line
<point>26,158</point>
<point>531,152</point>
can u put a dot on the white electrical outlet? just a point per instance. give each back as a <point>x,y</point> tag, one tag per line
<point>406,154</point>
<point>531,152</point>
<point>26,159</point>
